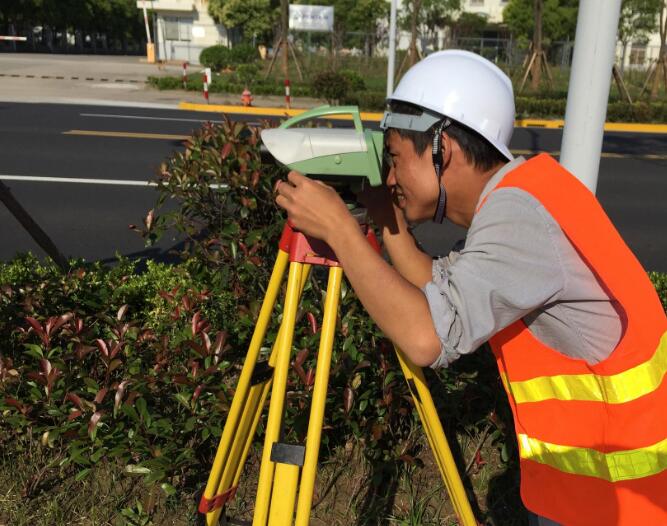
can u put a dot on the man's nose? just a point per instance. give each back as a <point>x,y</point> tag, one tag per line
<point>391,177</point>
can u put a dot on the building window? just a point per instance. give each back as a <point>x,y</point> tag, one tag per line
<point>637,54</point>
<point>476,3</point>
<point>177,28</point>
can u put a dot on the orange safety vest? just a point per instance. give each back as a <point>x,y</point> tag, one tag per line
<point>592,438</point>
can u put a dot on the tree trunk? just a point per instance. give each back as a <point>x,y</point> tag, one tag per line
<point>413,54</point>
<point>284,24</point>
<point>536,71</point>
<point>661,64</point>
<point>623,56</point>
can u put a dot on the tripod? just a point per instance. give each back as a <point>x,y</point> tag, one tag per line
<point>287,471</point>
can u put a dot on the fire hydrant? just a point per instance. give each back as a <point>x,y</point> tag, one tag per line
<point>246,97</point>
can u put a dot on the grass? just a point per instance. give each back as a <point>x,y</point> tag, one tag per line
<point>37,491</point>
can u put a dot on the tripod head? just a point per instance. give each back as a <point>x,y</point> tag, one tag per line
<point>343,158</point>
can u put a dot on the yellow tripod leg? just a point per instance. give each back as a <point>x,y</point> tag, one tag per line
<point>251,401</point>
<point>252,413</point>
<point>215,485</point>
<point>437,440</point>
<point>276,407</point>
<point>316,420</point>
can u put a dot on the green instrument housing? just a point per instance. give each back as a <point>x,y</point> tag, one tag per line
<point>332,155</point>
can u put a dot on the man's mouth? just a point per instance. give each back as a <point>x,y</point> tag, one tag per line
<point>399,198</point>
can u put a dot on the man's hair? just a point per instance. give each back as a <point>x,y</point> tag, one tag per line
<point>476,149</point>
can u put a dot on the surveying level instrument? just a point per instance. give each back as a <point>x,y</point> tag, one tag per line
<point>287,472</point>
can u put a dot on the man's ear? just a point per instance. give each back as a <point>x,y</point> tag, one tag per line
<point>447,149</point>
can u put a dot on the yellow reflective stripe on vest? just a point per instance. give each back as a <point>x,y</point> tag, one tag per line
<point>613,389</point>
<point>614,466</point>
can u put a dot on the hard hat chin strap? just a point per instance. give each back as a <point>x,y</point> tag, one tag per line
<point>439,215</point>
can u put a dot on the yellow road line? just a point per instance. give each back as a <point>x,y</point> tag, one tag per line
<point>129,135</point>
<point>275,112</point>
<point>377,117</point>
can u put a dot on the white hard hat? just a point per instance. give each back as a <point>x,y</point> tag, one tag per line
<point>462,86</point>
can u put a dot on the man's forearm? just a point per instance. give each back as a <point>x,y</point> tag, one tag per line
<point>406,257</point>
<point>398,306</point>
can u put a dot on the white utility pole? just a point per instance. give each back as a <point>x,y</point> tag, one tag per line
<point>588,93</point>
<point>392,49</point>
<point>148,33</point>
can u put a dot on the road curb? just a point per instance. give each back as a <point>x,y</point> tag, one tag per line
<point>634,127</point>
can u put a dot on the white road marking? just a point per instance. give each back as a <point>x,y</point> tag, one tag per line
<point>113,182</point>
<point>141,117</point>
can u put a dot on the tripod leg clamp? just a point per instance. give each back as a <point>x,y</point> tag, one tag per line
<point>209,505</point>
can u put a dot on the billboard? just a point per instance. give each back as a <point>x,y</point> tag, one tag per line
<point>311,17</point>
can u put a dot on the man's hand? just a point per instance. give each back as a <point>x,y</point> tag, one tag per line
<point>313,207</point>
<point>381,207</point>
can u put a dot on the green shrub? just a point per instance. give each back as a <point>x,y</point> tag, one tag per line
<point>331,86</point>
<point>637,112</point>
<point>539,108</point>
<point>660,282</point>
<point>355,81</point>
<point>163,83</point>
<point>244,54</point>
<point>367,100</point>
<point>216,57</point>
<point>246,73</point>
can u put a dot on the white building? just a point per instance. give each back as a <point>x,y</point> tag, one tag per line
<point>180,29</point>
<point>638,54</point>
<point>492,9</point>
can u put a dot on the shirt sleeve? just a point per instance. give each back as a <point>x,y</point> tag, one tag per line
<point>510,266</point>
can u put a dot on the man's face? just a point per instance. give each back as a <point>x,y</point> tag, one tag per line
<point>411,179</point>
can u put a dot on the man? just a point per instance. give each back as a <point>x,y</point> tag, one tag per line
<point>577,329</point>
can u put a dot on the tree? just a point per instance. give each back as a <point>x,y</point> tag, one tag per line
<point>252,17</point>
<point>469,24</point>
<point>426,16</point>
<point>559,20</point>
<point>639,18</point>
<point>659,71</point>
<point>365,18</point>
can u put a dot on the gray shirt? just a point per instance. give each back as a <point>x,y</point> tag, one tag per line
<point>517,264</point>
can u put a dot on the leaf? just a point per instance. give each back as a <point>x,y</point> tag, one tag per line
<point>137,470</point>
<point>102,346</point>
<point>82,474</point>
<point>74,415</point>
<point>120,391</point>
<point>99,397</point>
<point>121,312</point>
<point>150,218</point>
<point>142,407</point>
<point>504,453</point>
<point>195,323</point>
<point>37,327</point>
<point>218,346</point>
<point>348,399</point>
<point>226,150</point>
<point>168,489</point>
<point>94,421</point>
<point>115,364</point>
<point>313,322</point>
<point>75,399</point>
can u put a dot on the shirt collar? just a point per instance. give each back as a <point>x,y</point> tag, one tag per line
<point>498,176</point>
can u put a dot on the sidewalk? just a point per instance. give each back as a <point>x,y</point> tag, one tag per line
<point>112,80</point>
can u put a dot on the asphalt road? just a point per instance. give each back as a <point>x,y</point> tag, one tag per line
<point>128,144</point>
